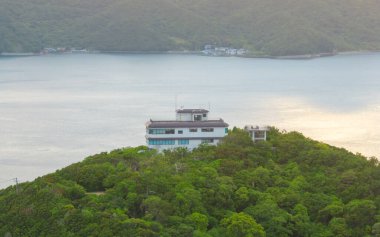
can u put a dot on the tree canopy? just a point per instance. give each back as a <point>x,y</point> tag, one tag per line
<point>264,27</point>
<point>287,186</point>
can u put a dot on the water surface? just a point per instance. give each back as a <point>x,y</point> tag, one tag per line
<point>56,110</point>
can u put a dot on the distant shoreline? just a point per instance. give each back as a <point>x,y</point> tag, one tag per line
<point>188,52</point>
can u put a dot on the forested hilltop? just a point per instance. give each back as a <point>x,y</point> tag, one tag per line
<point>264,27</point>
<point>287,186</point>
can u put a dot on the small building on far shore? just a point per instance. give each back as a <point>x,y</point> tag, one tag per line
<point>257,133</point>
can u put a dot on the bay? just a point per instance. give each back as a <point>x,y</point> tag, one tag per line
<point>58,109</point>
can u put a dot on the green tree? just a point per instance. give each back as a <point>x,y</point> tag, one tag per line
<point>198,221</point>
<point>275,220</point>
<point>335,209</point>
<point>339,227</point>
<point>376,229</point>
<point>359,213</point>
<point>242,225</point>
<point>301,221</point>
<point>156,208</point>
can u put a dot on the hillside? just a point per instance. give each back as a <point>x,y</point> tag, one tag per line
<point>265,27</point>
<point>287,186</point>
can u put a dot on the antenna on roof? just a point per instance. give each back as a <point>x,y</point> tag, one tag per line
<point>209,106</point>
<point>176,102</point>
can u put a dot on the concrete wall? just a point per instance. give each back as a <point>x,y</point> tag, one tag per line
<point>184,117</point>
<point>192,144</point>
<point>218,132</point>
<point>195,138</point>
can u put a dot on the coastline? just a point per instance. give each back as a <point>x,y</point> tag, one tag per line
<point>6,54</point>
<point>188,52</point>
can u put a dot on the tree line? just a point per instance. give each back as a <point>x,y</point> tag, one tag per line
<point>289,185</point>
<point>264,27</point>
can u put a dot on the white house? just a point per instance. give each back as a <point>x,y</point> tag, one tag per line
<point>191,128</point>
<point>257,133</point>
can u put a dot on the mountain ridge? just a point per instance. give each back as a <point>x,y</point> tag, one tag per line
<point>272,27</point>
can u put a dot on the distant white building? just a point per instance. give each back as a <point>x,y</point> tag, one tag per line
<point>241,52</point>
<point>191,128</point>
<point>211,50</point>
<point>257,133</point>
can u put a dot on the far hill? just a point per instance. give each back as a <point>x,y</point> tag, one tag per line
<point>265,27</point>
<point>287,186</point>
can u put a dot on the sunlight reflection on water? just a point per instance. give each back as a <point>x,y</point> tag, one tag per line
<point>356,131</point>
<point>56,110</point>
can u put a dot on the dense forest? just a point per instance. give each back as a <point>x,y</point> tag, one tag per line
<point>264,27</point>
<point>287,186</point>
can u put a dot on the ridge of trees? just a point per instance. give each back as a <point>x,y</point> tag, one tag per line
<point>289,185</point>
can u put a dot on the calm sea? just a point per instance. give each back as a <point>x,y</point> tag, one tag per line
<point>56,110</point>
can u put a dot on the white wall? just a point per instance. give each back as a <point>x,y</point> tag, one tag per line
<point>184,117</point>
<point>193,143</point>
<point>218,132</point>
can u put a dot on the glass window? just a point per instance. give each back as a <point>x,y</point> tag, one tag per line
<point>204,115</point>
<point>169,131</point>
<point>156,131</point>
<point>180,131</point>
<point>193,129</point>
<point>198,117</point>
<point>162,131</point>
<point>259,134</point>
<point>207,140</point>
<point>207,129</point>
<point>161,142</point>
<point>183,142</point>
<point>226,130</point>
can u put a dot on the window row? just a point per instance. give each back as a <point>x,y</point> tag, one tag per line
<point>207,141</point>
<point>173,141</point>
<point>183,142</point>
<point>203,129</point>
<point>168,142</point>
<point>162,131</point>
<point>172,130</point>
<point>161,142</point>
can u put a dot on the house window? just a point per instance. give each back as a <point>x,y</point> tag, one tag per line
<point>161,142</point>
<point>226,130</point>
<point>183,142</point>
<point>207,140</point>
<point>180,131</point>
<point>156,131</point>
<point>162,131</point>
<point>193,129</point>
<point>259,134</point>
<point>204,115</point>
<point>198,117</point>
<point>169,131</point>
<point>207,129</point>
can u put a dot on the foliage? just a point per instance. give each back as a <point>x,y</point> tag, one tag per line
<point>287,186</point>
<point>242,225</point>
<point>265,27</point>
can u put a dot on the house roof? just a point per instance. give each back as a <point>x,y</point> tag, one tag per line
<point>187,111</point>
<point>187,124</point>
